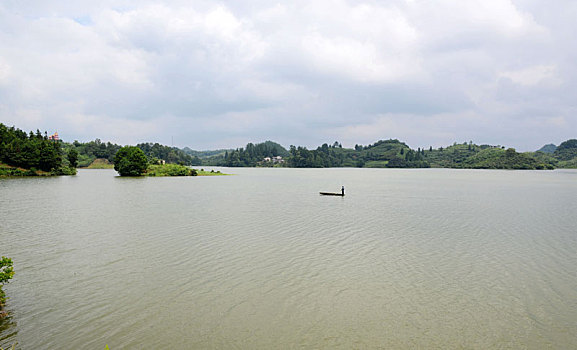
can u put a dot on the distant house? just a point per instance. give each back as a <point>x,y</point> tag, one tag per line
<point>54,137</point>
<point>277,159</point>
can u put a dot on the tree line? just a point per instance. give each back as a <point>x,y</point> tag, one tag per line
<point>37,151</point>
<point>393,153</point>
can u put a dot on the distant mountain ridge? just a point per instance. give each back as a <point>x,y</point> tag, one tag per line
<point>550,148</point>
<point>206,154</point>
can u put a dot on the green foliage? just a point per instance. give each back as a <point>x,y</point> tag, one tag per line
<point>73,157</point>
<point>170,170</point>
<point>395,154</point>
<point>568,164</point>
<point>497,158</point>
<point>171,155</point>
<point>6,170</point>
<point>29,150</point>
<point>453,156</point>
<point>203,172</point>
<point>471,156</point>
<point>567,150</point>
<point>100,163</point>
<point>6,270</point>
<point>6,273</point>
<point>89,151</point>
<point>93,150</point>
<point>253,155</point>
<point>130,161</point>
<point>384,153</point>
<point>201,155</point>
<point>63,170</point>
<point>376,164</point>
<point>545,160</point>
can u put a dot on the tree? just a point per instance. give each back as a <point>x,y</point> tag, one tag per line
<point>510,152</point>
<point>130,161</point>
<point>73,158</point>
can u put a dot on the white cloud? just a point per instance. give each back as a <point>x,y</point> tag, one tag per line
<point>4,73</point>
<point>417,131</point>
<point>216,72</point>
<point>532,76</point>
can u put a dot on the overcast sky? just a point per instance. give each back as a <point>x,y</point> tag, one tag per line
<point>211,74</point>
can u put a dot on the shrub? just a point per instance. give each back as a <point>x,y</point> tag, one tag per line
<point>130,161</point>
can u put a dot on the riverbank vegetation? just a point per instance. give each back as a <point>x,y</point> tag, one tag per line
<point>170,170</point>
<point>203,172</point>
<point>6,274</point>
<point>31,154</point>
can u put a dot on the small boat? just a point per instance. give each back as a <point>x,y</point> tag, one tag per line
<point>331,194</point>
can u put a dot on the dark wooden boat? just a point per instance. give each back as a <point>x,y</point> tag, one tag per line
<point>331,194</point>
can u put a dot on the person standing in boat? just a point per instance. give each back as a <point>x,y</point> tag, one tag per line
<point>343,190</point>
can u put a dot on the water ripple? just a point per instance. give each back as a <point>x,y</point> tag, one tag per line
<point>408,259</point>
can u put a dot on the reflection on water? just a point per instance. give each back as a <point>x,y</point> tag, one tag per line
<point>408,259</point>
<point>8,331</point>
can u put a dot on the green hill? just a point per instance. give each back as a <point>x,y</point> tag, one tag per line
<point>566,153</point>
<point>206,154</point>
<point>254,154</point>
<point>497,158</point>
<point>567,150</point>
<point>550,148</point>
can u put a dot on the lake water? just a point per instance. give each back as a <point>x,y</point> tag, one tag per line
<point>408,259</point>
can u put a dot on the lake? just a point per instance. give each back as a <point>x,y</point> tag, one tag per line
<point>418,258</point>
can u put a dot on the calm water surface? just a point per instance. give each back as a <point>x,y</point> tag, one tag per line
<point>430,259</point>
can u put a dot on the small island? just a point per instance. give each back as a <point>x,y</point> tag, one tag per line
<point>178,170</point>
<point>131,161</point>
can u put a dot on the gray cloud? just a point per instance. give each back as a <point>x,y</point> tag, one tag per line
<point>214,75</point>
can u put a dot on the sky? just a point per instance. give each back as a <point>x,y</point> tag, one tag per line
<point>220,74</point>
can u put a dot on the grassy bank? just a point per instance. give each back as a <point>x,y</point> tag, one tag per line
<point>12,171</point>
<point>170,170</point>
<point>203,172</point>
<point>7,170</point>
<point>100,163</point>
